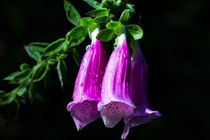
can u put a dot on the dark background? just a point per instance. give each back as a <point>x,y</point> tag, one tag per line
<point>176,45</point>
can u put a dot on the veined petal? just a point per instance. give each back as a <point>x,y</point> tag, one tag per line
<point>87,89</point>
<point>83,112</point>
<point>137,119</point>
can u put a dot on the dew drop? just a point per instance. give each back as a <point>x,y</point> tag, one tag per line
<point>87,47</point>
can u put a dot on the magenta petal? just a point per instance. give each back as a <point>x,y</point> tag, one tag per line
<point>115,98</point>
<point>87,89</point>
<point>142,112</point>
<point>137,119</point>
<point>83,112</point>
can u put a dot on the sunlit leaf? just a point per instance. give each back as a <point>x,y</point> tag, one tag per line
<point>115,26</point>
<point>101,19</point>
<point>18,77</point>
<point>33,54</point>
<point>55,47</point>
<point>135,31</point>
<point>37,46</point>
<point>125,16</point>
<point>71,13</point>
<point>39,71</point>
<point>105,35</point>
<point>77,33</point>
<point>98,12</point>
<point>93,3</point>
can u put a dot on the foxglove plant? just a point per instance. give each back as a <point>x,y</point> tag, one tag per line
<point>142,113</point>
<point>87,90</point>
<point>116,88</point>
<point>117,93</point>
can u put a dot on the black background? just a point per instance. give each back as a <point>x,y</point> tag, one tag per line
<point>176,45</point>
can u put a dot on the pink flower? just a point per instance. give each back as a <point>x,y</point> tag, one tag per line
<point>87,89</point>
<point>115,96</point>
<point>142,112</point>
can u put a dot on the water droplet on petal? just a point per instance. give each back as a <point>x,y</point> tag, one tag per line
<point>87,47</point>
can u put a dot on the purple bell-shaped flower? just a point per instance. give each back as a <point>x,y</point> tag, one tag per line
<point>142,113</point>
<point>116,102</point>
<point>87,89</point>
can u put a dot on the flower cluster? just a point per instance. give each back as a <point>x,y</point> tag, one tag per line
<point>113,91</point>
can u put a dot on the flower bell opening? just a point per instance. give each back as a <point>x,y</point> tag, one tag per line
<point>113,112</point>
<point>83,113</point>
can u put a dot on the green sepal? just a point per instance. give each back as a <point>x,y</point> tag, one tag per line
<point>125,16</point>
<point>135,31</point>
<point>105,35</point>
<point>115,26</point>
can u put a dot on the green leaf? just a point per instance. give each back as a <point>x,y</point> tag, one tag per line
<point>7,98</point>
<point>98,12</point>
<point>24,66</point>
<point>105,35</point>
<point>18,77</point>
<point>76,42</point>
<point>125,16</point>
<point>86,21</point>
<point>101,19</point>
<point>55,47</point>
<point>62,72</point>
<point>33,54</point>
<point>37,46</point>
<point>32,90</point>
<point>12,76</point>
<point>93,3</point>
<point>71,13</point>
<point>63,56</point>
<point>135,31</point>
<point>39,71</point>
<point>115,26</point>
<point>76,33</point>
<point>76,56</point>
<point>107,4</point>
<point>131,7</point>
<point>22,76</point>
<point>52,61</point>
<point>20,90</point>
